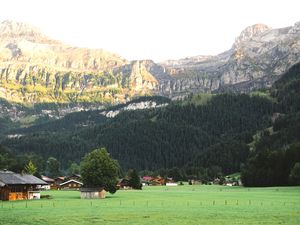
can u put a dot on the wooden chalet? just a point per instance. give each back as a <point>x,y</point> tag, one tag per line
<point>71,184</point>
<point>50,182</point>
<point>15,186</point>
<point>158,181</point>
<point>124,184</point>
<point>59,180</point>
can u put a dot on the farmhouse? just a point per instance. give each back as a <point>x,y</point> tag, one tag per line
<point>15,186</point>
<point>160,181</point>
<point>124,184</point>
<point>71,184</point>
<point>94,193</point>
<point>59,180</point>
<point>49,181</point>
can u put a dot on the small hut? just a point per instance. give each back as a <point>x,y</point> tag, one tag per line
<point>15,186</point>
<point>92,193</point>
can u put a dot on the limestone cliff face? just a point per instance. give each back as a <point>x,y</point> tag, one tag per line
<point>137,77</point>
<point>258,56</point>
<point>35,68</point>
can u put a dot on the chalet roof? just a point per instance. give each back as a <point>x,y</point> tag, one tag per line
<point>75,175</point>
<point>47,179</point>
<point>8,177</point>
<point>69,181</point>
<point>123,180</point>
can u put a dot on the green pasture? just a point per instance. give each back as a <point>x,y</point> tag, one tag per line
<point>161,205</point>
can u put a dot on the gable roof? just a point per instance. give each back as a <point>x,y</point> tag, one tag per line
<point>8,177</point>
<point>47,179</point>
<point>69,181</point>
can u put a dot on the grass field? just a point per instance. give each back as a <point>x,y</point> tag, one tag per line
<point>162,205</point>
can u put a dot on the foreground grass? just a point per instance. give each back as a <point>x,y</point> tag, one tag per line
<point>162,205</point>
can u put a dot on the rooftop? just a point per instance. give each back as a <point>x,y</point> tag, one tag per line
<point>9,177</point>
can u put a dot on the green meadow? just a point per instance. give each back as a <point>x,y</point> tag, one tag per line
<point>161,205</point>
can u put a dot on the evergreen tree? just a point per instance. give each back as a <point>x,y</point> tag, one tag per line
<point>30,168</point>
<point>295,173</point>
<point>134,179</point>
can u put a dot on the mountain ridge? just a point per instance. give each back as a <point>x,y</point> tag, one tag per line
<point>37,69</point>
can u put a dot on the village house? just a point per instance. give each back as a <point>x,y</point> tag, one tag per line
<point>146,180</point>
<point>59,180</point>
<point>50,183</point>
<point>124,184</point>
<point>15,186</point>
<point>71,185</point>
<point>74,177</point>
<point>160,181</point>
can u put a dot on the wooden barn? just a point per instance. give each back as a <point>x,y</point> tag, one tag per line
<point>15,186</point>
<point>71,184</point>
<point>92,193</point>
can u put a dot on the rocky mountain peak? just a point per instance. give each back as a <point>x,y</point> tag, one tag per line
<point>250,32</point>
<point>15,30</point>
<point>295,29</point>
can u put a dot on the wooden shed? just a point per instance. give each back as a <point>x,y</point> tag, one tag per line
<point>92,193</point>
<point>15,186</point>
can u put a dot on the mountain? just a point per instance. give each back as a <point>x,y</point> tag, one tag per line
<point>257,58</point>
<point>37,69</point>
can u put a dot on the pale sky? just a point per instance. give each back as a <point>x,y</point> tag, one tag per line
<point>150,29</point>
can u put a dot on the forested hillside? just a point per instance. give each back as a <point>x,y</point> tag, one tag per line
<point>166,137</point>
<point>202,136</point>
<point>277,151</point>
